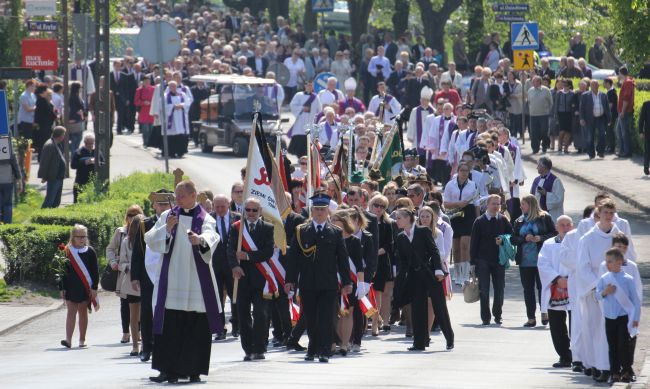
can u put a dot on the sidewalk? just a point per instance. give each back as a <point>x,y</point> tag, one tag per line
<point>622,177</point>
<point>13,315</point>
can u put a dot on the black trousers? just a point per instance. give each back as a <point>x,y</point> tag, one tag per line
<point>319,309</point>
<point>225,281</point>
<point>280,317</point>
<point>125,315</point>
<point>530,280</point>
<point>420,310</point>
<point>130,119</point>
<point>146,315</point>
<point>485,271</point>
<point>539,132</point>
<point>254,329</point>
<point>439,303</point>
<point>610,136</point>
<point>185,344</point>
<point>359,325</point>
<point>298,330</point>
<point>618,339</point>
<point>560,334</point>
<point>122,116</point>
<point>646,155</point>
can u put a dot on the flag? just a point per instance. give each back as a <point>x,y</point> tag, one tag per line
<point>282,165</point>
<point>264,182</point>
<point>390,162</point>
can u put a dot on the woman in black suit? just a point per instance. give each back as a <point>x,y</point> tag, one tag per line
<point>72,286</point>
<point>530,231</point>
<point>344,325</point>
<point>44,117</point>
<point>385,277</point>
<point>420,258</point>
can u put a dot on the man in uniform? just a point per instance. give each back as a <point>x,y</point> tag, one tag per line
<point>144,263</point>
<point>256,285</point>
<point>222,272</point>
<point>317,253</point>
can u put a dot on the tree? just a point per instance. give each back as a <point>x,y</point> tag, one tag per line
<point>11,33</point>
<point>309,20</point>
<point>254,5</point>
<point>475,26</point>
<point>434,21</point>
<point>359,11</point>
<point>632,23</point>
<point>278,8</point>
<point>401,16</point>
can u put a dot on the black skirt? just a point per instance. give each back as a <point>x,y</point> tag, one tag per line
<point>565,121</point>
<point>462,225</point>
<point>383,274</point>
<point>184,346</point>
<point>298,145</point>
<point>155,138</point>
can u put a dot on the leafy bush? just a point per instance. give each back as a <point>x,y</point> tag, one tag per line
<point>29,249</point>
<point>29,201</point>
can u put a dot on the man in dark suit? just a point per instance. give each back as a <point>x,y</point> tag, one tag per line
<point>280,316</point>
<point>612,98</point>
<point>644,131</point>
<point>143,265</point>
<point>237,195</point>
<point>484,255</point>
<point>199,92</point>
<point>122,85</point>
<point>414,84</point>
<point>258,63</point>
<point>222,271</point>
<point>391,47</point>
<point>316,255</point>
<point>595,116</point>
<point>233,23</point>
<point>52,168</point>
<point>257,248</point>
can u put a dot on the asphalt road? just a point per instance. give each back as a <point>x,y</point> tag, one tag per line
<point>508,356</point>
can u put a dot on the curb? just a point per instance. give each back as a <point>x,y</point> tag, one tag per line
<point>41,312</point>
<point>643,379</point>
<point>602,187</point>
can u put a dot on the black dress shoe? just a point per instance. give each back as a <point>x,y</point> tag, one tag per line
<point>587,371</point>
<point>257,357</point>
<point>498,320</point>
<point>162,377</point>
<point>409,335</point>
<point>530,324</point>
<point>561,364</point>
<point>220,336</point>
<point>427,343</point>
<point>595,372</point>
<point>247,358</point>
<point>577,367</point>
<point>277,342</point>
<point>323,359</point>
<point>450,346</point>
<point>343,352</point>
<point>235,334</point>
<point>145,356</point>
<point>309,357</point>
<point>603,377</point>
<point>195,379</point>
<point>385,328</point>
<point>486,323</point>
<point>295,346</point>
<point>413,348</point>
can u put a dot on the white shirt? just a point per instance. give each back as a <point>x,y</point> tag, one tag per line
<point>383,61</point>
<point>327,96</point>
<point>294,69</point>
<point>598,110</point>
<point>453,192</point>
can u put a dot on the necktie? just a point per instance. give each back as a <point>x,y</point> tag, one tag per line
<point>320,229</point>
<point>223,229</point>
<point>251,227</point>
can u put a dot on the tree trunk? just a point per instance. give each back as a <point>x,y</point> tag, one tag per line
<point>254,5</point>
<point>434,22</point>
<point>309,20</point>
<point>278,8</point>
<point>359,14</point>
<point>401,17</point>
<point>475,26</point>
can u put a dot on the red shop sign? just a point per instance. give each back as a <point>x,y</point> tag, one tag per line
<point>40,54</point>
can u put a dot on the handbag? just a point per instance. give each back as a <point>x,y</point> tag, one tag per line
<point>108,280</point>
<point>471,292</point>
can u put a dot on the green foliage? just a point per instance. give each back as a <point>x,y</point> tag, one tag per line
<point>29,250</point>
<point>8,293</point>
<point>30,200</point>
<point>12,31</point>
<point>632,24</point>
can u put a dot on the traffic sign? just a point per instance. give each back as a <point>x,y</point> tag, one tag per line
<point>159,41</point>
<point>5,152</point>
<point>524,36</point>
<point>320,81</point>
<point>509,7</point>
<point>524,59</point>
<point>4,114</point>
<point>40,25</point>
<point>509,18</point>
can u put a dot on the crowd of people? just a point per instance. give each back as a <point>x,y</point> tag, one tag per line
<point>363,249</point>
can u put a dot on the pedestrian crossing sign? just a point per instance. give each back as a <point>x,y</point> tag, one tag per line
<point>524,36</point>
<point>524,59</point>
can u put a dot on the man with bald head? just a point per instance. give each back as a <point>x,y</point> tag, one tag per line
<point>555,293</point>
<point>225,219</point>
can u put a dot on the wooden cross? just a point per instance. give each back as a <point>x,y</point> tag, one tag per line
<point>178,176</point>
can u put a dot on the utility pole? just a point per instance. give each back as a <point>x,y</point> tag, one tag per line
<point>102,110</point>
<point>66,81</point>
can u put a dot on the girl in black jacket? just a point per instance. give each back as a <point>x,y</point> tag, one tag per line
<point>530,231</point>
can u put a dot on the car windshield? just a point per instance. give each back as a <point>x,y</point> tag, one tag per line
<point>252,98</point>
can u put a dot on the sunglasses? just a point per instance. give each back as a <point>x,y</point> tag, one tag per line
<point>252,210</point>
<point>379,206</point>
<point>237,191</point>
<point>303,163</point>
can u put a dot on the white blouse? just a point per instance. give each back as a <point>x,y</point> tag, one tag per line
<point>454,193</point>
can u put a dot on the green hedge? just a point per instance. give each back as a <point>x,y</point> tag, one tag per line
<point>29,250</point>
<point>30,247</point>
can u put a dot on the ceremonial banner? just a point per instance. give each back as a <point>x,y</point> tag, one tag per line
<point>390,162</point>
<point>264,182</point>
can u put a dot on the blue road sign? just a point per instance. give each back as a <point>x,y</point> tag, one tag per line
<point>524,36</point>
<point>4,114</point>
<point>38,25</point>
<point>320,81</point>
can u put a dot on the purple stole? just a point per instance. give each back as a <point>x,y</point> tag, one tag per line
<point>547,185</point>
<point>441,129</point>
<point>336,95</point>
<point>202,270</point>
<point>310,100</point>
<point>354,103</point>
<point>171,114</point>
<point>328,131</point>
<point>471,135</point>
<point>418,126</point>
<point>387,101</point>
<point>73,73</point>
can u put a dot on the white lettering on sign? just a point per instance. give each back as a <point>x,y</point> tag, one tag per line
<point>33,61</point>
<point>4,148</point>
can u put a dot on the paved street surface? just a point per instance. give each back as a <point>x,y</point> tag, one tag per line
<point>508,356</point>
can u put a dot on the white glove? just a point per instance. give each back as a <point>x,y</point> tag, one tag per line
<point>362,289</point>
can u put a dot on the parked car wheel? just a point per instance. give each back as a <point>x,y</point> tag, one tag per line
<point>203,142</point>
<point>240,147</point>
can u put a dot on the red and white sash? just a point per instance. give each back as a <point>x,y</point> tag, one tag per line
<point>271,285</point>
<point>368,304</point>
<point>82,272</point>
<point>294,312</point>
<point>278,270</point>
